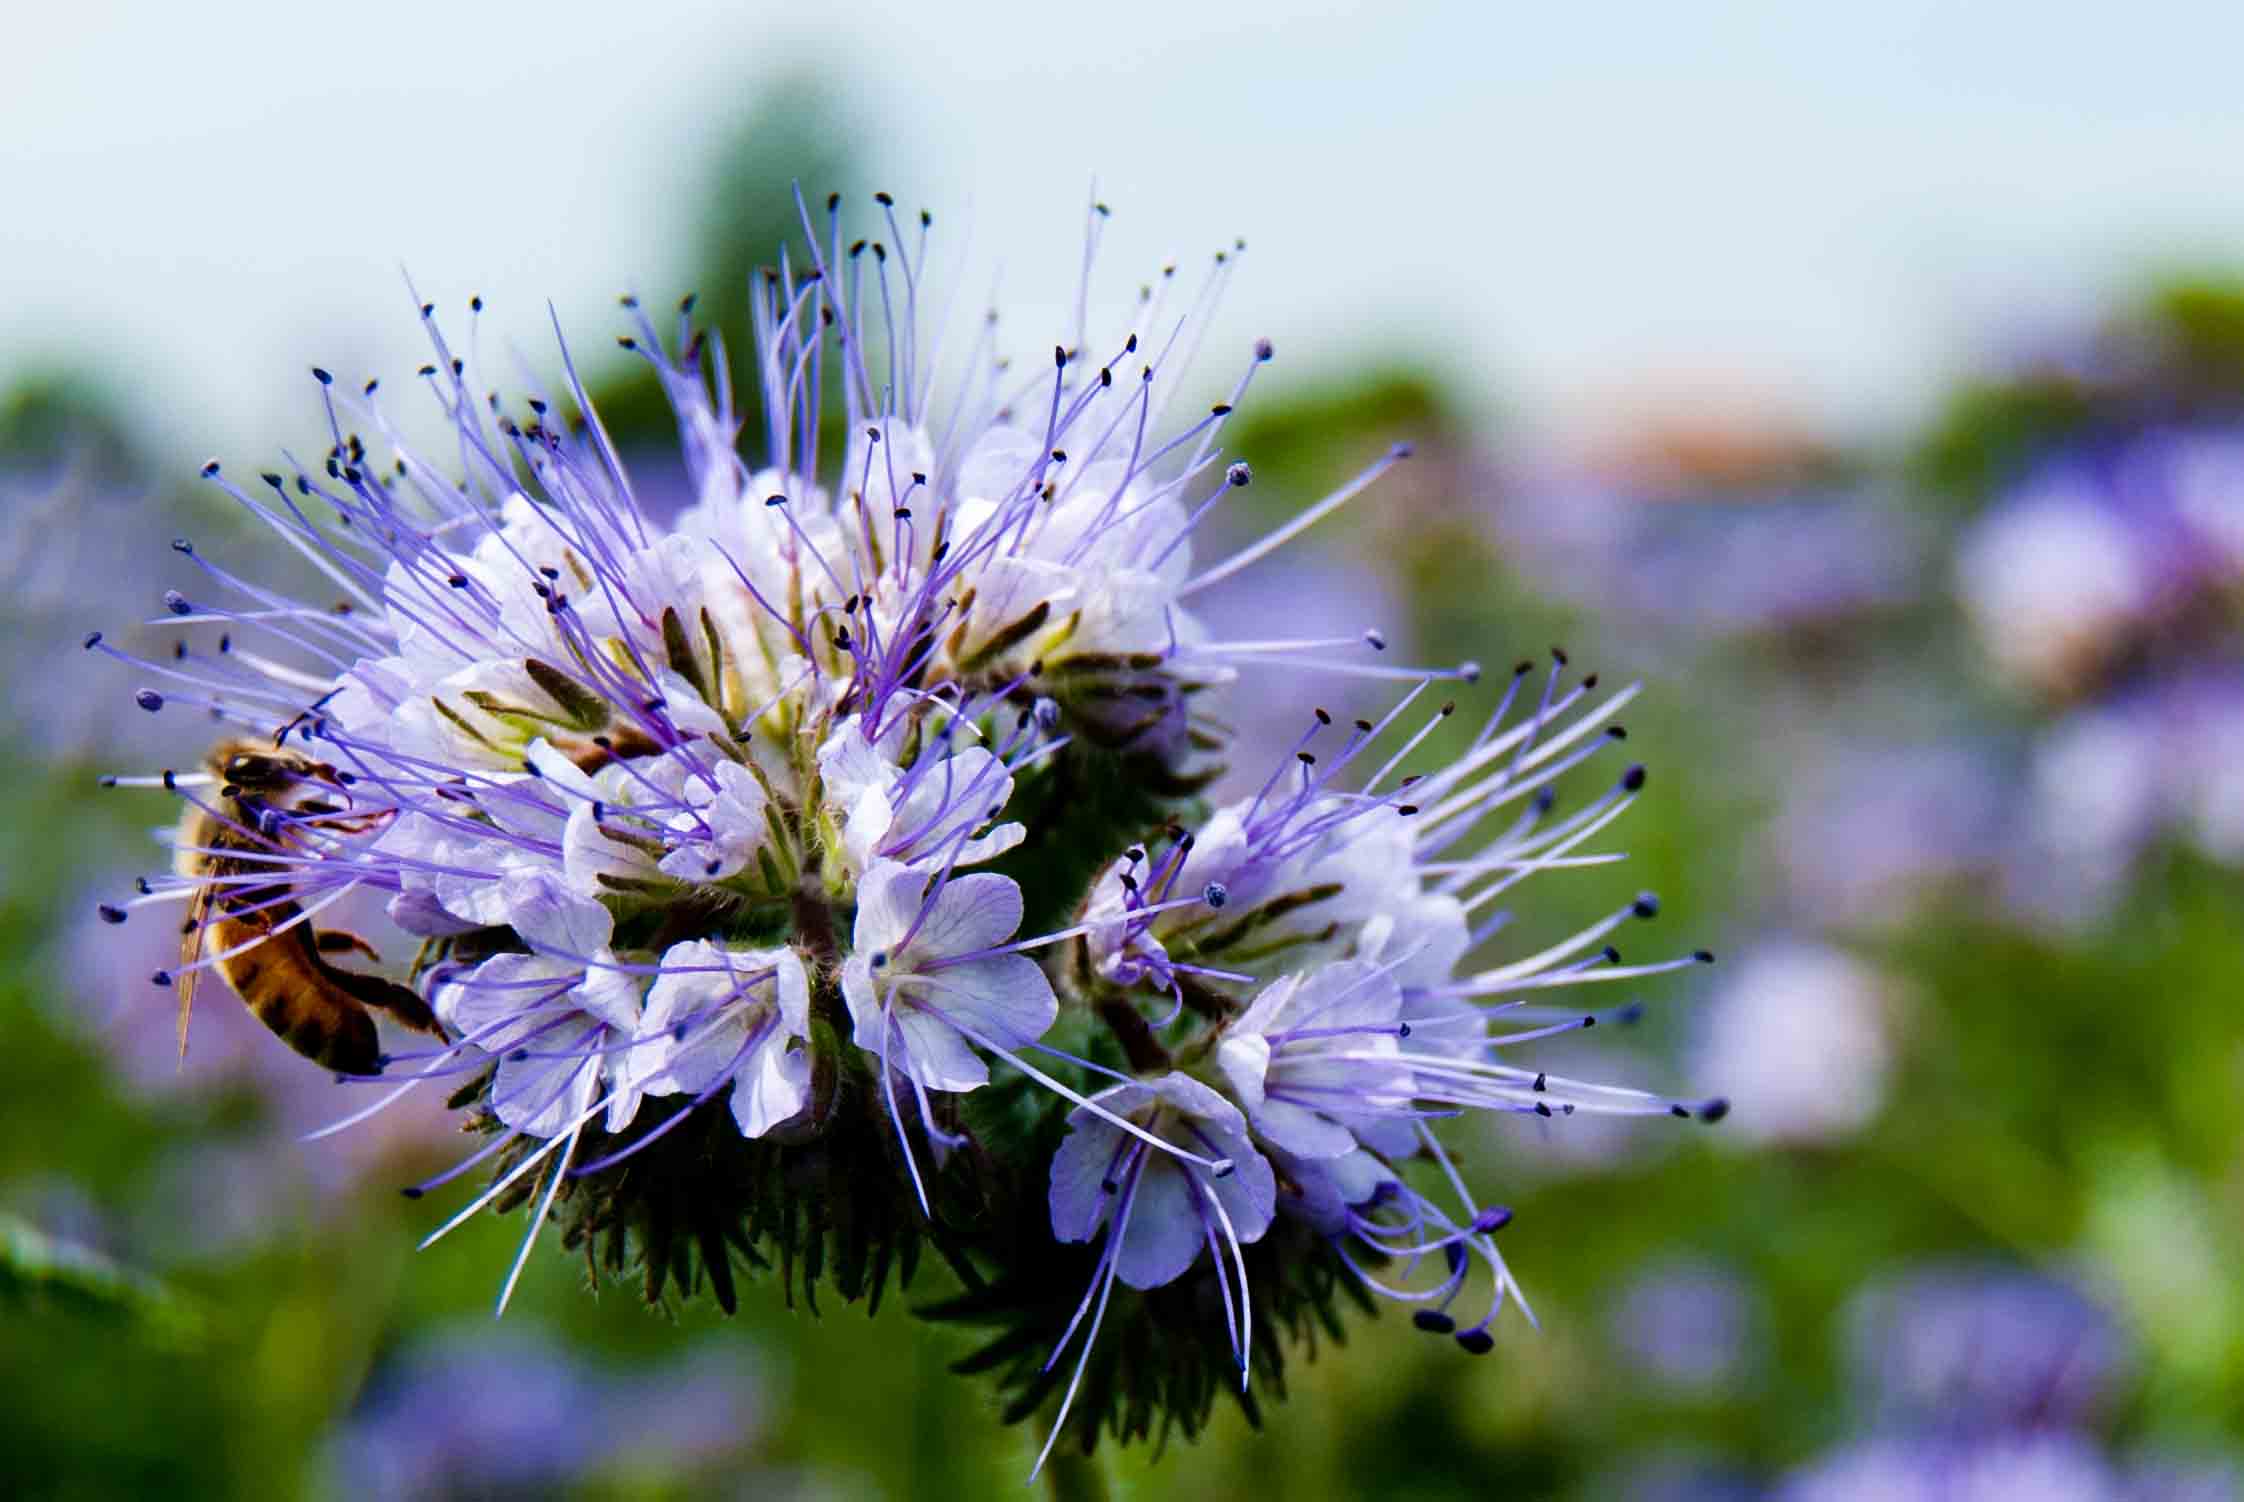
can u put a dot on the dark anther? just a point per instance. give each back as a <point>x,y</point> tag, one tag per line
<point>149,700</point>
<point>1542,1082</point>
<point>1216,894</point>
<point>1714,1110</point>
<point>322,376</point>
<point>1476,1342</point>
<point>1633,778</point>
<point>1239,475</point>
<point>1647,905</point>
<point>1433,1322</point>
<point>1492,1219</point>
<point>93,640</point>
<point>1703,956</point>
<point>110,914</point>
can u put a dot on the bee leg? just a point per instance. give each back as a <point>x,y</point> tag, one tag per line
<point>401,1002</point>
<point>338,941</point>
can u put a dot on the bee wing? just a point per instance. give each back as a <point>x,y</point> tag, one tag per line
<point>190,960</point>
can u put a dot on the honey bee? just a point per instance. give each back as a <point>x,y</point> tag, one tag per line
<point>272,958</point>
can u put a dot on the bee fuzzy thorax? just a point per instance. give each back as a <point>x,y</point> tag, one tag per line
<point>830,875</point>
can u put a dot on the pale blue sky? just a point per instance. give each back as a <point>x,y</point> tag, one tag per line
<point>1571,207</point>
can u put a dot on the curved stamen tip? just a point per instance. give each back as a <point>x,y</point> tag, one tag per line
<point>1433,1322</point>
<point>110,913</point>
<point>210,468</point>
<point>1476,1341</point>
<point>1647,905</point>
<point>1216,893</point>
<point>160,978</point>
<point>1376,640</point>
<point>1492,1219</point>
<point>1714,1110</point>
<point>1469,670</point>
<point>1633,778</point>
<point>1239,475</point>
<point>1221,1167</point>
<point>1402,451</point>
<point>149,700</point>
<point>1264,349</point>
<point>1703,956</point>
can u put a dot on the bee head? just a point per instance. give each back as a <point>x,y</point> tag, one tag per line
<point>260,771</point>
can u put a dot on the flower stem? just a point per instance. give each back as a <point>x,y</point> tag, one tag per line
<point>1072,1476</point>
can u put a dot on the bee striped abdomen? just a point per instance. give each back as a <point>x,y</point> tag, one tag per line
<point>282,982</point>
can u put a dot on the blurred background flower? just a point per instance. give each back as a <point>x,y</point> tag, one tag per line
<point>1903,456</point>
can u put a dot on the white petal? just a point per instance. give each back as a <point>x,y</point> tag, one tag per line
<point>773,1086</point>
<point>550,917</point>
<point>1244,1059</point>
<point>1302,1132</point>
<point>587,855</point>
<point>1165,1232</point>
<point>888,899</point>
<point>486,1003</point>
<point>973,912</point>
<point>543,1094</point>
<point>1004,998</point>
<point>1078,1197</point>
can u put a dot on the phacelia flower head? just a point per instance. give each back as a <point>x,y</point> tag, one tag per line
<point>826,877</point>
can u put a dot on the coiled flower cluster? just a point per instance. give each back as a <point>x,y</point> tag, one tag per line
<point>827,875</point>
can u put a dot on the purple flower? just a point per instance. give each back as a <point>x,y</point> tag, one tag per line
<point>2105,551</point>
<point>838,794</point>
